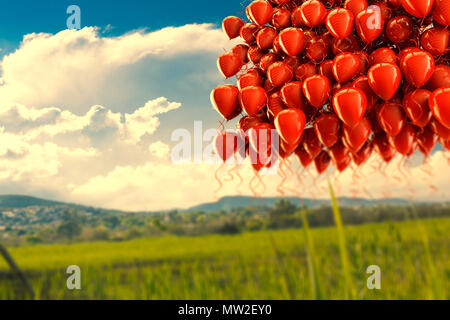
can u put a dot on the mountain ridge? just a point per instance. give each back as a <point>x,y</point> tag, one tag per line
<point>226,203</point>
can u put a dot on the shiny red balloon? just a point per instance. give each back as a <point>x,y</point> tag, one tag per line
<point>313,13</point>
<point>384,79</point>
<point>346,66</point>
<point>415,104</point>
<point>316,90</point>
<point>322,162</point>
<point>391,118</point>
<point>404,141</point>
<point>355,137</point>
<point>290,124</point>
<point>418,8</point>
<point>260,12</point>
<point>350,105</point>
<point>340,23</point>
<point>327,128</point>
<point>225,100</point>
<point>435,41</point>
<point>311,143</point>
<point>439,103</point>
<point>417,67</point>
<point>229,64</point>
<point>369,24</point>
<point>253,99</point>
<point>279,73</point>
<point>292,96</point>
<point>225,145</point>
<point>232,26</point>
<point>292,41</point>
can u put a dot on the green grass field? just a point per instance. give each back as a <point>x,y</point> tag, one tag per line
<point>261,265</point>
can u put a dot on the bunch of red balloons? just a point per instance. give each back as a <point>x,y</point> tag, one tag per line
<point>338,80</point>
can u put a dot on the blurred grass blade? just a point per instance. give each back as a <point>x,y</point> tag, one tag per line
<point>287,282</point>
<point>345,261</point>
<point>432,273</point>
<point>318,292</point>
<point>15,269</point>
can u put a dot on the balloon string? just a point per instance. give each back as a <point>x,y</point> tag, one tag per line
<point>261,182</point>
<point>216,175</point>
<point>282,175</point>
<point>252,189</point>
<point>236,170</point>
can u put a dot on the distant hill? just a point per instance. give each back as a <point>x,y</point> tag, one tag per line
<point>226,203</point>
<point>15,201</point>
<point>236,202</point>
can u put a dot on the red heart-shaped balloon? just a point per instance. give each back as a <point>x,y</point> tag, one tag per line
<point>316,90</point>
<point>229,64</point>
<point>290,124</point>
<point>253,99</point>
<point>225,100</point>
<point>441,12</point>
<point>260,138</point>
<point>382,55</point>
<point>275,104</point>
<point>241,50</point>
<point>303,157</point>
<point>279,73</point>
<point>250,79</point>
<point>339,153</point>
<point>439,103</point>
<point>260,12</point>
<point>267,60</point>
<point>404,141</point>
<point>356,6</point>
<point>322,162</point>
<point>342,166</point>
<point>417,67</point>
<point>313,13</point>
<point>362,83</point>
<point>399,28</point>
<point>440,77</point>
<point>311,143</point>
<point>369,24</point>
<point>305,70</point>
<point>350,105</point>
<point>248,33</point>
<point>355,137</point>
<point>427,140</point>
<point>435,41</point>
<point>363,154</point>
<point>232,26</point>
<point>327,128</point>
<point>225,145</point>
<point>346,66</point>
<point>317,49</point>
<point>292,41</point>
<point>384,79</point>
<point>265,38</point>
<point>391,118</point>
<point>415,104</point>
<point>442,131</point>
<point>383,147</point>
<point>418,8</point>
<point>349,44</point>
<point>292,96</point>
<point>340,23</point>
<point>281,18</point>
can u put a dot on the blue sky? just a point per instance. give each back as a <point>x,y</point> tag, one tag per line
<point>21,17</point>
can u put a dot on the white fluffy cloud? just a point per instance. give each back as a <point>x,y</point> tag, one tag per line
<point>77,69</point>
